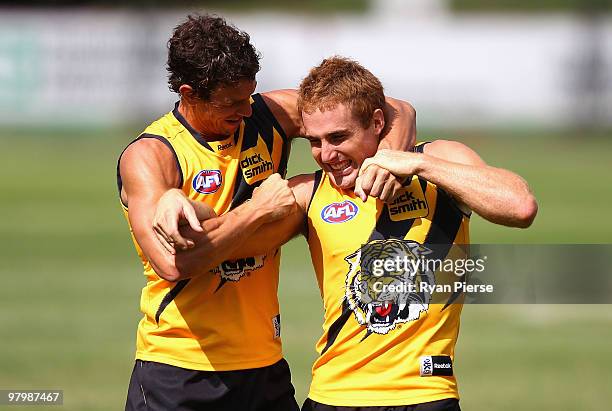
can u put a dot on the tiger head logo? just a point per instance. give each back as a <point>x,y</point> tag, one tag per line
<point>381,297</point>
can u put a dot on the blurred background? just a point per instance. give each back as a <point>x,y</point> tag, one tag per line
<point>526,84</point>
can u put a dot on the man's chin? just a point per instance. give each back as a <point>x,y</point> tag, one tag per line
<point>230,131</point>
<point>343,182</point>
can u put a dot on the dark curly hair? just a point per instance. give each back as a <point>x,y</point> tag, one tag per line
<point>205,52</point>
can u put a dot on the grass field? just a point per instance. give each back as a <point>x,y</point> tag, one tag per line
<point>71,279</point>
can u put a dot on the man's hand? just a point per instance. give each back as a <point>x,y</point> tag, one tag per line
<point>399,163</point>
<point>173,210</point>
<point>274,197</point>
<point>376,181</point>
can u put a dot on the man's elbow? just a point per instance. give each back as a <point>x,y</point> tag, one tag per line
<point>168,269</point>
<point>526,212</point>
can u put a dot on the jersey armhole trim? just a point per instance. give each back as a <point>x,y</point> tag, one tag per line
<point>317,181</point>
<point>318,176</point>
<point>166,143</point>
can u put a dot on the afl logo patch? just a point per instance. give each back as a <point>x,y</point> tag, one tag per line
<point>207,181</point>
<point>339,212</point>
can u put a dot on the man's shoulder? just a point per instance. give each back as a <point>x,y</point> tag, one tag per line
<point>452,151</point>
<point>303,186</point>
<point>165,126</point>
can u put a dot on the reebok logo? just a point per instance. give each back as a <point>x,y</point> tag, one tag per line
<point>221,147</point>
<point>276,324</point>
<point>433,365</point>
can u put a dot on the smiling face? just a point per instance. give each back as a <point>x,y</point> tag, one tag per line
<point>221,115</point>
<point>339,143</point>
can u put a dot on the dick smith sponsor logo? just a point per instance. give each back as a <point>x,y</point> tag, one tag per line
<point>406,202</point>
<point>255,165</point>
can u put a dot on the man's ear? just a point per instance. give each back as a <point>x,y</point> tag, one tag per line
<point>378,122</point>
<point>187,94</point>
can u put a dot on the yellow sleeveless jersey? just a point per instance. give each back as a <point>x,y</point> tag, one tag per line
<point>229,318</point>
<point>384,346</point>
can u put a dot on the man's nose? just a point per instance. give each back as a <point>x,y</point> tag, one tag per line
<point>328,152</point>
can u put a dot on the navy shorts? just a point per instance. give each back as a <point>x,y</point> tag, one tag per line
<point>161,387</point>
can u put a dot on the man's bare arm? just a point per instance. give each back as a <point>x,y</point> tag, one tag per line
<point>271,236</point>
<point>174,209</point>
<point>148,171</point>
<point>496,194</point>
<point>400,126</point>
<point>222,236</point>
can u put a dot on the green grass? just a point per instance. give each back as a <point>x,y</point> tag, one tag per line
<point>71,279</point>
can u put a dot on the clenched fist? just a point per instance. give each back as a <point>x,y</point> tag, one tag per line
<point>274,197</point>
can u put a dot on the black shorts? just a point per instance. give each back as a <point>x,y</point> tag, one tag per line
<point>449,404</point>
<point>161,387</point>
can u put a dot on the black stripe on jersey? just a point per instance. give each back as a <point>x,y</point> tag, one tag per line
<point>253,126</point>
<point>445,223</point>
<point>261,122</point>
<point>336,327</point>
<point>166,143</point>
<point>221,284</point>
<point>169,297</point>
<point>317,181</point>
<point>265,123</point>
<point>367,334</point>
<point>386,228</point>
<point>318,175</point>
<point>419,147</point>
<point>187,126</point>
<point>267,113</point>
<point>242,191</point>
<point>282,166</point>
<point>444,228</point>
<point>423,183</point>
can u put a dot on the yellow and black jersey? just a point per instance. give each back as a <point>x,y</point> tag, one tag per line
<point>228,319</point>
<point>386,340</point>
